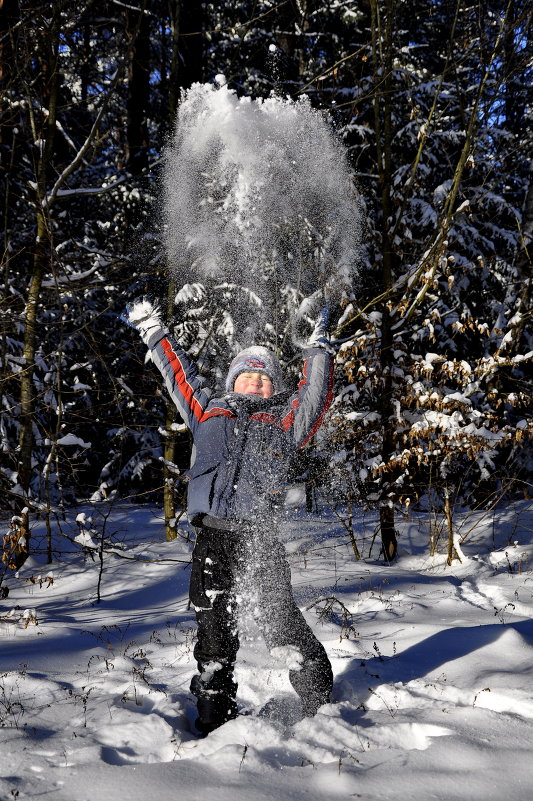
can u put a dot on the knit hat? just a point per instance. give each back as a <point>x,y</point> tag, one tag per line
<point>256,360</point>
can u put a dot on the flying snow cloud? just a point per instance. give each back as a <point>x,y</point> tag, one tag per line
<point>258,193</point>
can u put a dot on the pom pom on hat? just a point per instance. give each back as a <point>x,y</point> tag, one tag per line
<point>256,360</point>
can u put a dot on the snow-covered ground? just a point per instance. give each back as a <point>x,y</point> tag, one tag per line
<point>433,671</point>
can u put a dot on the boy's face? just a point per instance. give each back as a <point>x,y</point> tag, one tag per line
<point>254,384</point>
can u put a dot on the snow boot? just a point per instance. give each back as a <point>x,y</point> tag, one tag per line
<point>214,706</point>
<point>210,719</point>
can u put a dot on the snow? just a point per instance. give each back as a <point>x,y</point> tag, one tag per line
<point>433,669</point>
<point>72,439</point>
<point>256,188</point>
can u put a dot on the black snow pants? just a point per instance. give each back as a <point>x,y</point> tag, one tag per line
<point>226,565</point>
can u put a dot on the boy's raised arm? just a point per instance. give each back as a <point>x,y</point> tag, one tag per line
<point>179,371</point>
<point>314,395</point>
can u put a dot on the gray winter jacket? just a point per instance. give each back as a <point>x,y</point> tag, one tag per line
<point>242,443</point>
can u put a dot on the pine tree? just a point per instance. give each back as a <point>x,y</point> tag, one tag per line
<point>438,398</point>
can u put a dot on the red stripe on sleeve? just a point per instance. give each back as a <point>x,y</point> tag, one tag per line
<point>288,420</point>
<point>216,412</point>
<point>185,389</point>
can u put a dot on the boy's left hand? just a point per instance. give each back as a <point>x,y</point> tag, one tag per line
<point>320,336</point>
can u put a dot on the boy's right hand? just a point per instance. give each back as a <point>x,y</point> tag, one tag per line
<point>145,316</point>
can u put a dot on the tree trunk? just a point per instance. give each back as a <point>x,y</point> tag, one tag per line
<point>187,20</point>
<point>524,264</point>
<point>30,330</point>
<point>40,258</point>
<point>138,90</point>
<point>169,444</point>
<point>188,23</point>
<point>291,23</point>
<point>383,61</point>
<point>9,122</point>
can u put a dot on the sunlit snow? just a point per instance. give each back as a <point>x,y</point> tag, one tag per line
<point>433,668</point>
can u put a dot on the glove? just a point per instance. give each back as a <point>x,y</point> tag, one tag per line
<point>320,336</point>
<point>145,316</point>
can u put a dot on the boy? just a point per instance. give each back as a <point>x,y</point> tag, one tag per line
<point>243,441</point>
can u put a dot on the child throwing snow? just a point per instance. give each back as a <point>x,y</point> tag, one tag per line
<point>243,442</point>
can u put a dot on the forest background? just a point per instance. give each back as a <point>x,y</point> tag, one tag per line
<point>433,102</point>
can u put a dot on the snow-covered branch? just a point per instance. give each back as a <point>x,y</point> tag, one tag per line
<point>51,196</point>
